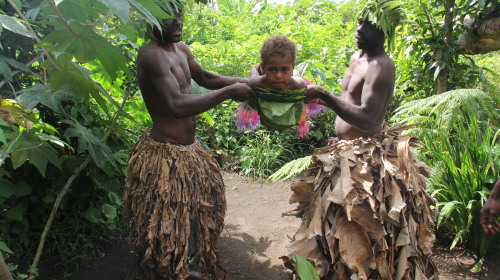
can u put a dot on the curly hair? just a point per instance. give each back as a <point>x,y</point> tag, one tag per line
<point>277,45</point>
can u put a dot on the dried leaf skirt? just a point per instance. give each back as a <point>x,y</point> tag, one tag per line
<point>365,213</point>
<point>174,194</point>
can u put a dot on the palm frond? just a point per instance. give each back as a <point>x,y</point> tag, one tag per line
<point>291,168</point>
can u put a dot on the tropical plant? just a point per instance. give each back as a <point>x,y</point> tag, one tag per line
<point>460,132</point>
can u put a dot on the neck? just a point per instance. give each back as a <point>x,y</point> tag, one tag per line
<point>166,45</point>
<point>375,51</point>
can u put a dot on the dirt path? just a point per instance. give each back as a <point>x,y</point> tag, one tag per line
<point>256,235</point>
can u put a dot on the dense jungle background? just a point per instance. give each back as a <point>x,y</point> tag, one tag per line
<point>70,108</point>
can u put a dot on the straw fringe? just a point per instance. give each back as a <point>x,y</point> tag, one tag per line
<point>172,192</point>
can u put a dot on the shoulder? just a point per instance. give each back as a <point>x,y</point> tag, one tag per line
<point>149,53</point>
<point>183,47</point>
<point>382,64</point>
<point>297,83</point>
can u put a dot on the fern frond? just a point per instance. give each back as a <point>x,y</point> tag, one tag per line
<point>447,108</point>
<point>291,168</point>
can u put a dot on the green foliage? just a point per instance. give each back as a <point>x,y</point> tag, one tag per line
<point>465,158</point>
<point>261,155</point>
<point>385,15</point>
<point>291,169</point>
<point>445,109</point>
<point>305,269</point>
<point>461,145</point>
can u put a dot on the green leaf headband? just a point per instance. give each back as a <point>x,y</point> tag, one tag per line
<point>386,15</point>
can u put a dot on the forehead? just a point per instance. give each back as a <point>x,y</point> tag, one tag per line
<point>279,60</point>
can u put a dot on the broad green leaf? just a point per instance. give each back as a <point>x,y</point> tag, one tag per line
<point>109,211</point>
<point>16,213</point>
<point>4,248</point>
<point>2,136</point>
<point>7,189</point>
<point>145,12</point>
<point>39,153</point>
<point>22,189</point>
<point>87,141</point>
<point>120,8</point>
<point>87,46</point>
<point>43,94</point>
<point>93,215</point>
<point>12,24</point>
<point>305,269</point>
<point>5,70</point>
<point>153,8</point>
<point>83,11</point>
<point>115,198</point>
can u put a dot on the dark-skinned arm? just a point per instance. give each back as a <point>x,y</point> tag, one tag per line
<point>179,105</point>
<point>491,210</point>
<point>205,78</point>
<point>375,90</point>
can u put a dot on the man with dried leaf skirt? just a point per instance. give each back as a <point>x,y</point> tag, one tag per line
<point>174,195</point>
<point>365,213</point>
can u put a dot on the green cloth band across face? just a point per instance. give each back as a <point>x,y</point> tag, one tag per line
<point>278,109</point>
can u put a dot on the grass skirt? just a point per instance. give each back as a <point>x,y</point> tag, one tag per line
<point>365,213</point>
<point>174,194</point>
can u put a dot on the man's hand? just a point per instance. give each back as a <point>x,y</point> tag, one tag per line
<point>313,93</point>
<point>241,92</point>
<point>488,216</point>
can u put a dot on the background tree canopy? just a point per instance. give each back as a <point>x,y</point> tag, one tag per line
<point>70,107</point>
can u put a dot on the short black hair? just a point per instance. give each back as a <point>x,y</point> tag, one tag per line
<point>277,45</point>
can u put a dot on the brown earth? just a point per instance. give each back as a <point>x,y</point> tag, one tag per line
<point>256,235</point>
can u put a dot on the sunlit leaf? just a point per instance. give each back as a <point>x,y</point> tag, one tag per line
<point>43,94</point>
<point>120,8</point>
<point>305,269</point>
<point>12,24</point>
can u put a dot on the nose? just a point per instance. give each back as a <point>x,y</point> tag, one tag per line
<point>177,20</point>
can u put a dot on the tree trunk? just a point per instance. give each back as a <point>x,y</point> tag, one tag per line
<point>480,36</point>
<point>442,79</point>
<point>4,270</point>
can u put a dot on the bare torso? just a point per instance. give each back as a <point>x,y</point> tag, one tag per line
<point>166,128</point>
<point>353,89</point>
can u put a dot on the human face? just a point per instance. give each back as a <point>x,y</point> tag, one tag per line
<point>172,29</point>
<point>278,70</point>
<point>368,36</point>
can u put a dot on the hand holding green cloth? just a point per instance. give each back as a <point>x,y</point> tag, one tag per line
<point>279,109</point>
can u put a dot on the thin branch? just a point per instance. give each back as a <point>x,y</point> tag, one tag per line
<point>53,4</point>
<point>36,36</point>
<point>4,270</point>
<point>66,187</point>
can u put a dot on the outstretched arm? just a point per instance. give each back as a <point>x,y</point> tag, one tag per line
<point>374,94</point>
<point>166,91</point>
<point>204,78</point>
<point>491,210</point>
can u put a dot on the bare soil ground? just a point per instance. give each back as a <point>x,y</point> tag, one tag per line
<point>256,235</point>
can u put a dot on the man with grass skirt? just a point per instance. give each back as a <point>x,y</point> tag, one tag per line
<point>365,213</point>
<point>174,196</point>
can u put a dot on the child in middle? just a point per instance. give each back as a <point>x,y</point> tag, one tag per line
<point>277,67</point>
<point>281,90</point>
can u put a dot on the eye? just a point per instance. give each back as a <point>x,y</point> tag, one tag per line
<point>285,69</point>
<point>271,69</point>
